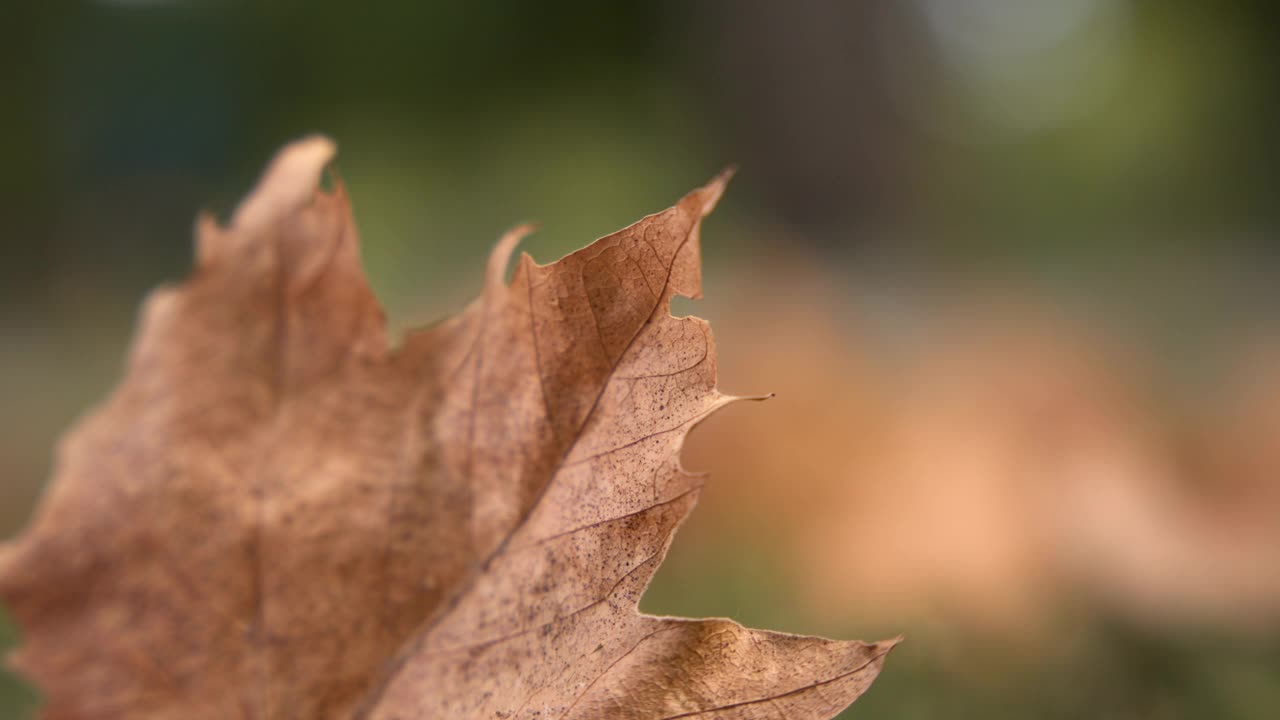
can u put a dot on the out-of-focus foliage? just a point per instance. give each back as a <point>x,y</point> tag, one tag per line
<point>1032,446</point>
<point>1042,327</point>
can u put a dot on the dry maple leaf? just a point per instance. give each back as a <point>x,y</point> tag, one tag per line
<point>277,516</point>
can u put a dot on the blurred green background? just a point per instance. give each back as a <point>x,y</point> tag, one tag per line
<point>1115,160</point>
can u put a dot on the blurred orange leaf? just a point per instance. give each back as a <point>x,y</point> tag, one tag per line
<point>1031,445</point>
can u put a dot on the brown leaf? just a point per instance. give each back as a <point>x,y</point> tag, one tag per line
<point>276,515</point>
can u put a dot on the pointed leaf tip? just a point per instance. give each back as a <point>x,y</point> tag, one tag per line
<point>500,256</point>
<point>709,194</point>
<point>289,181</point>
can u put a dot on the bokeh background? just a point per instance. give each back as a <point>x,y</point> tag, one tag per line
<point>1010,266</point>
